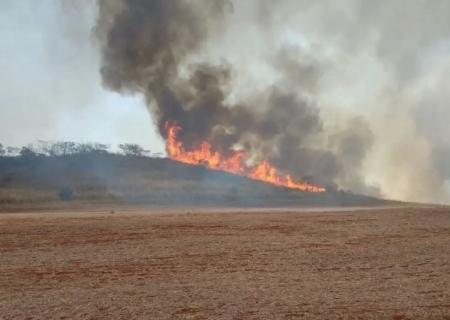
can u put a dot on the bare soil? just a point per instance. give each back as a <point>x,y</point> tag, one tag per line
<point>242,264</point>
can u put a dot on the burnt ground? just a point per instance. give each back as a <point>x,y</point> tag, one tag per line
<point>241,264</point>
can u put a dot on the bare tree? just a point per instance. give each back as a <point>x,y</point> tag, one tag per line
<point>84,147</point>
<point>12,151</point>
<point>46,148</point>
<point>28,152</point>
<point>64,148</point>
<point>91,147</point>
<point>100,147</point>
<point>131,149</point>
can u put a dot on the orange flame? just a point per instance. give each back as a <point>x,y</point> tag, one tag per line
<point>215,161</point>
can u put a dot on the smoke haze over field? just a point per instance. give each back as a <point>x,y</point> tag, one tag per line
<point>350,92</point>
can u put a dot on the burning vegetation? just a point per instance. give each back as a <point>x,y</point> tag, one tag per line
<point>233,164</point>
<point>275,135</point>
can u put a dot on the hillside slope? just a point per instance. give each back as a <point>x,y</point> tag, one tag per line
<point>157,181</point>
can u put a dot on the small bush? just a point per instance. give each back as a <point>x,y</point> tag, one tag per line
<point>66,194</point>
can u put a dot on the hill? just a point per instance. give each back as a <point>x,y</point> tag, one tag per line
<point>103,176</point>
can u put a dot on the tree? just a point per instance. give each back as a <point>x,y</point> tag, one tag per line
<point>12,151</point>
<point>56,148</point>
<point>100,147</point>
<point>131,149</point>
<point>84,147</point>
<point>45,147</point>
<point>90,147</point>
<point>64,148</point>
<point>28,153</point>
<point>2,150</point>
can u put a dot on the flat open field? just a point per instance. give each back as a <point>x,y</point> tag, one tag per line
<point>248,264</point>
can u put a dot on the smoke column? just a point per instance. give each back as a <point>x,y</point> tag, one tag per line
<point>349,94</point>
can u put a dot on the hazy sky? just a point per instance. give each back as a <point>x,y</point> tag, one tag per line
<point>385,60</point>
<point>50,88</point>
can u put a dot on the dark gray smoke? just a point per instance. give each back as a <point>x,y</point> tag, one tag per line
<point>390,64</point>
<point>144,45</point>
<point>149,46</point>
<point>356,90</point>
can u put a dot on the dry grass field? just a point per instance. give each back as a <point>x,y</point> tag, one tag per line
<point>139,263</point>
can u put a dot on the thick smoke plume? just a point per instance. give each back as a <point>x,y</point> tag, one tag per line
<point>331,92</point>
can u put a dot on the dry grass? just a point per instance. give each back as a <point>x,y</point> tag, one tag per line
<point>26,195</point>
<point>129,190</point>
<point>155,181</point>
<point>156,264</point>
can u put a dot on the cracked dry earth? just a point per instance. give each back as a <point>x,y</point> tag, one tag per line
<point>360,264</point>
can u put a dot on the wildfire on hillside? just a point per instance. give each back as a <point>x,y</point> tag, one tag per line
<point>232,164</point>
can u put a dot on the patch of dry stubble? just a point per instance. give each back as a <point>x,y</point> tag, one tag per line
<point>392,264</point>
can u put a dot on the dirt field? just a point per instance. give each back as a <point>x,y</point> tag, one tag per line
<point>153,264</point>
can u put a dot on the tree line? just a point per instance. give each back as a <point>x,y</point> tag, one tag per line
<point>67,148</point>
